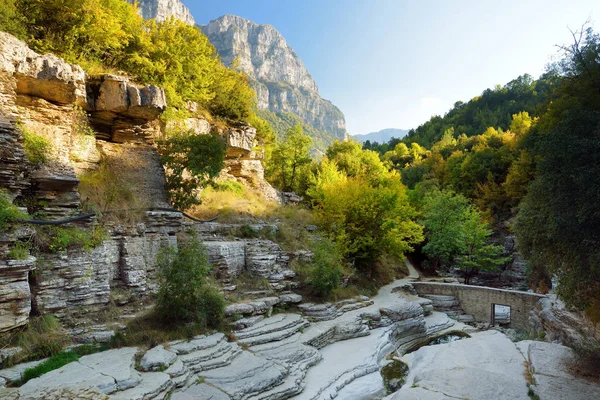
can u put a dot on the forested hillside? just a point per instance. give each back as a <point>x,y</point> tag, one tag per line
<point>526,150</point>
<point>493,108</point>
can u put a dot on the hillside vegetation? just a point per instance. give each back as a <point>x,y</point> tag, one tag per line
<point>109,35</point>
<point>526,151</point>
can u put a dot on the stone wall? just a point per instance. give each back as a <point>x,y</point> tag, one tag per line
<point>478,300</point>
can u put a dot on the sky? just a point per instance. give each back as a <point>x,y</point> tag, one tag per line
<point>395,63</point>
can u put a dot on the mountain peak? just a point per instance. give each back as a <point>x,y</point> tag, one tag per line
<point>164,9</point>
<point>261,50</point>
<point>282,82</point>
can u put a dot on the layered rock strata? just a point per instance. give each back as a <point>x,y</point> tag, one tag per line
<point>281,81</point>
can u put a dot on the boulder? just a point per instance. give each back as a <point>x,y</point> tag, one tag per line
<point>555,321</point>
<point>240,140</point>
<point>157,358</point>
<point>114,94</point>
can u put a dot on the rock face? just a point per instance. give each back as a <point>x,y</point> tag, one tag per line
<point>554,320</point>
<point>282,82</point>
<point>164,9</point>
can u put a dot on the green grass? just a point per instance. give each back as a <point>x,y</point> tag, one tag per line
<point>37,148</point>
<point>61,359</point>
<point>55,239</point>
<point>19,251</point>
<point>9,213</point>
<point>55,362</point>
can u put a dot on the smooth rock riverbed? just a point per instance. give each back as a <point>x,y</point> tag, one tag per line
<point>288,356</point>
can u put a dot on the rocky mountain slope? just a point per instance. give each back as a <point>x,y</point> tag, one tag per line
<point>281,80</point>
<point>163,9</point>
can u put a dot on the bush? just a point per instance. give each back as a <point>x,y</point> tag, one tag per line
<point>184,295</point>
<point>213,306</point>
<point>327,271</point>
<point>55,239</point>
<point>8,212</point>
<point>37,148</point>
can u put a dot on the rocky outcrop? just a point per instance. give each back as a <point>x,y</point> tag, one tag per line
<point>122,112</point>
<point>282,82</point>
<point>15,293</point>
<point>164,9</point>
<point>553,320</point>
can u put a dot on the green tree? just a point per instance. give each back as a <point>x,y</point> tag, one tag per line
<point>366,221</point>
<point>289,160</point>
<point>191,162</point>
<point>353,161</point>
<point>11,19</point>
<point>184,295</point>
<point>557,223</point>
<point>521,123</point>
<point>477,253</point>
<point>327,267</point>
<point>444,217</point>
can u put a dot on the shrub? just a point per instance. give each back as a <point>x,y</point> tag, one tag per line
<point>37,148</point>
<point>327,271</point>
<point>54,239</point>
<point>184,294</point>
<point>8,212</point>
<point>213,307</point>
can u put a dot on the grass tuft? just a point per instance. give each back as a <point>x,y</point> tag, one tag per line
<point>9,213</point>
<point>37,148</point>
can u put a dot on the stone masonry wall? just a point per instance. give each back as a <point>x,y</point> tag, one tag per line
<point>478,300</point>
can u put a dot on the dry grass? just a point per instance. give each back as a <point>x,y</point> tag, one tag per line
<point>109,189</point>
<point>232,206</point>
<point>528,373</point>
<point>42,337</point>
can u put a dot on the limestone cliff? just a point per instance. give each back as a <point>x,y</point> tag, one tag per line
<point>164,9</point>
<point>47,96</point>
<point>282,82</point>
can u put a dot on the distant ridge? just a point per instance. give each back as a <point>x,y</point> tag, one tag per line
<point>382,136</point>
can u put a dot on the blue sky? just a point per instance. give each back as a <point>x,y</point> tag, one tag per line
<point>394,64</point>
